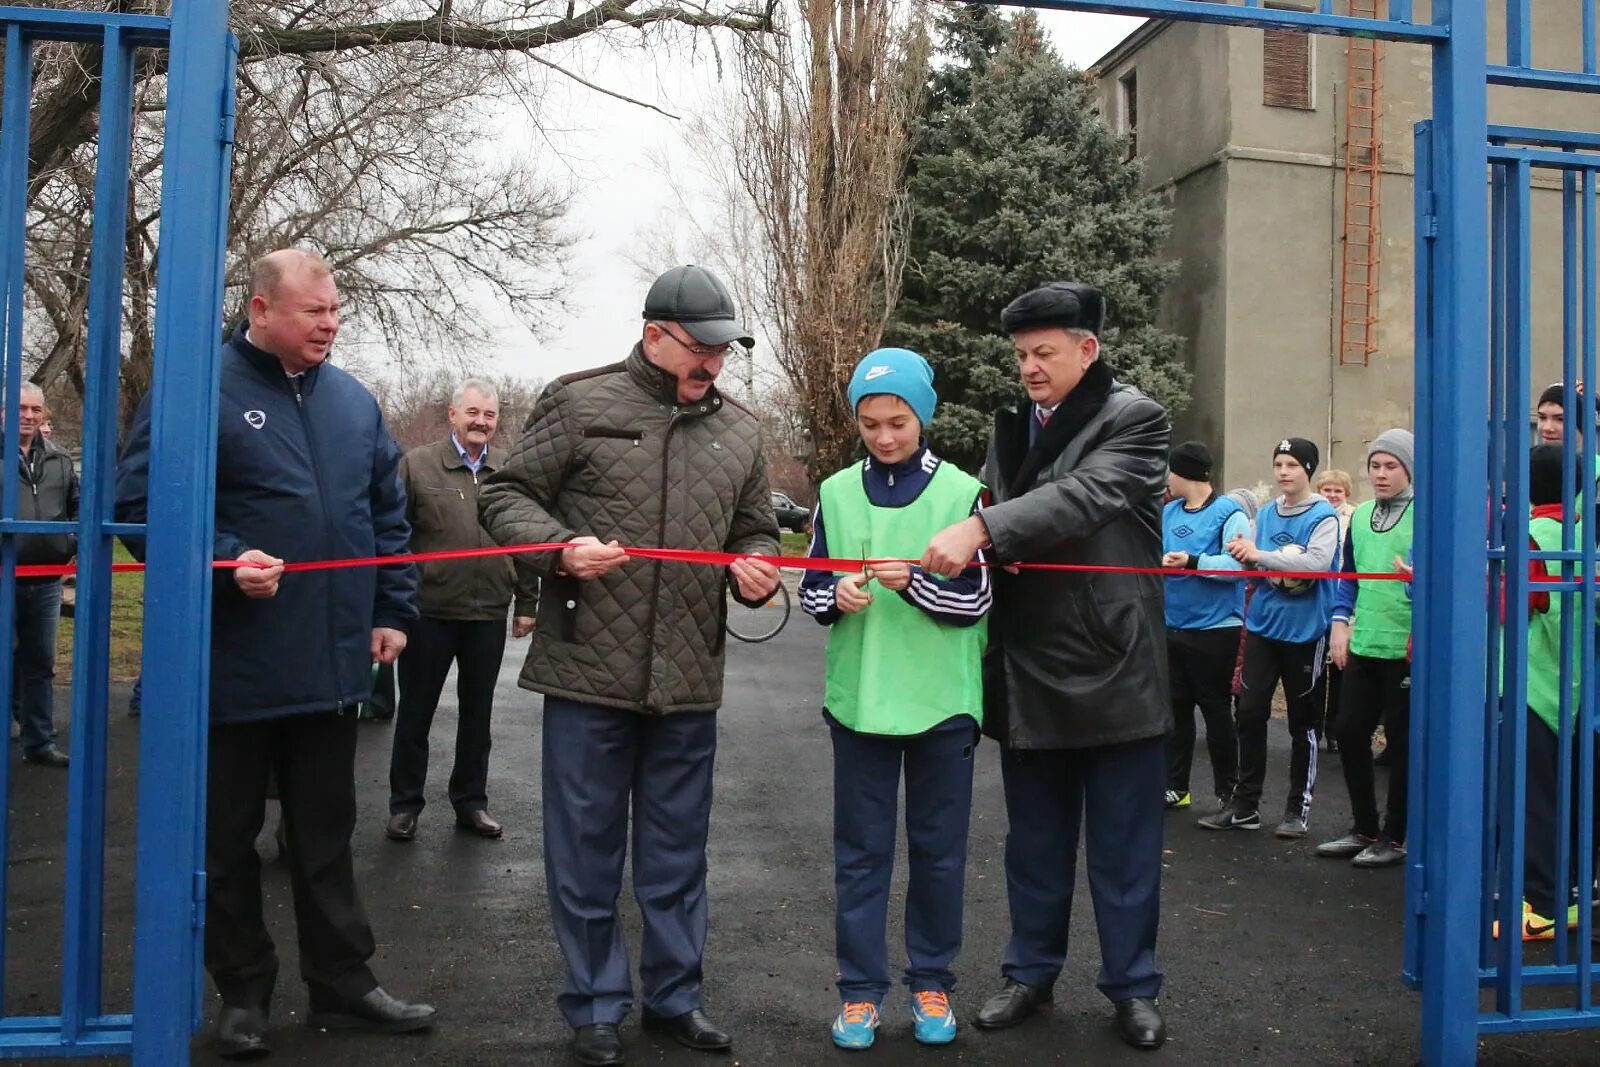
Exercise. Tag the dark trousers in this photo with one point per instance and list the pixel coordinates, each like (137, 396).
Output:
(1376, 690)
(313, 758)
(476, 648)
(1115, 792)
(595, 760)
(1539, 840)
(1200, 665)
(1300, 668)
(33, 659)
(866, 784)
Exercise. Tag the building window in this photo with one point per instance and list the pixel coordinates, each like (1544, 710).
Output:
(1286, 69)
(1128, 91)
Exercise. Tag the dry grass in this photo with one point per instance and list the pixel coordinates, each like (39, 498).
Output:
(127, 628)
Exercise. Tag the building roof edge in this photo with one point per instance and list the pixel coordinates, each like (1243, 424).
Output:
(1128, 45)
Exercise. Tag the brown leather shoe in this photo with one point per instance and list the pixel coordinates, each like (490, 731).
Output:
(480, 823)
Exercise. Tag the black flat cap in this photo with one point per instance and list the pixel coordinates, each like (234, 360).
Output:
(1066, 305)
(695, 299)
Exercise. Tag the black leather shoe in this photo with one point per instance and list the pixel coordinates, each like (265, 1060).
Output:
(242, 1034)
(1014, 1003)
(402, 827)
(598, 1045)
(1140, 1022)
(478, 822)
(377, 1011)
(693, 1029)
(47, 756)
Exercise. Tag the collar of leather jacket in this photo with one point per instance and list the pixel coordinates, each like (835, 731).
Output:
(1019, 463)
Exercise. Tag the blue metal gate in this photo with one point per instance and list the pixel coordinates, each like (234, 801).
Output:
(170, 865)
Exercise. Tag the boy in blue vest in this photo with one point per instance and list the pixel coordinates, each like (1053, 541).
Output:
(1286, 631)
(904, 687)
(1370, 639)
(1203, 620)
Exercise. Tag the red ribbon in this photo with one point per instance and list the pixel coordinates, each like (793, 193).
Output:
(719, 559)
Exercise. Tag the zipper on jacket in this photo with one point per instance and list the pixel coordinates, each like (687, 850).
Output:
(322, 501)
(661, 542)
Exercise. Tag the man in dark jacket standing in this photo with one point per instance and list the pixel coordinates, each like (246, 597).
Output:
(1075, 687)
(463, 619)
(644, 452)
(49, 493)
(305, 471)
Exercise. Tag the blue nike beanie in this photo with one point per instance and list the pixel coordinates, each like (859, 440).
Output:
(899, 372)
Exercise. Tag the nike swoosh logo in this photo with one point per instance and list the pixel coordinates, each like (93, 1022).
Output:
(877, 372)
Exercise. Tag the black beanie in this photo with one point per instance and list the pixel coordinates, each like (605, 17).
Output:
(1555, 393)
(1303, 451)
(1544, 475)
(1191, 460)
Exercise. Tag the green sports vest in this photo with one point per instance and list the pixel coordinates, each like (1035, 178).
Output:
(1383, 611)
(891, 668)
(1544, 636)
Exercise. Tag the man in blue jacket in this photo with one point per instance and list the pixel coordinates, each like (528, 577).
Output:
(306, 470)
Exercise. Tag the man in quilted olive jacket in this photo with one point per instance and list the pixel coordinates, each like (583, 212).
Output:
(628, 653)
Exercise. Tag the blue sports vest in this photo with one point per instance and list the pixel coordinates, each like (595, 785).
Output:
(1195, 603)
(1296, 618)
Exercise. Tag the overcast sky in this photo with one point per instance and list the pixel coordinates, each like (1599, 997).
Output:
(602, 147)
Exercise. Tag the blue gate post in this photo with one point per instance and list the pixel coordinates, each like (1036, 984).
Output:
(1451, 553)
(172, 761)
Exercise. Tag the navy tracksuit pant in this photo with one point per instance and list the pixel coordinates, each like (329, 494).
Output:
(1115, 792)
(597, 763)
(866, 785)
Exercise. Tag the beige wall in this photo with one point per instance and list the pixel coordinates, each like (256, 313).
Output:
(1257, 194)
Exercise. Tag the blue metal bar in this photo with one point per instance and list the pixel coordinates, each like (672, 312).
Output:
(67, 25)
(1451, 560)
(1512, 792)
(86, 812)
(1496, 552)
(1519, 34)
(1543, 157)
(1564, 710)
(51, 1024)
(1588, 36)
(1536, 1019)
(1538, 974)
(1417, 792)
(1535, 135)
(169, 913)
(1539, 78)
(1268, 18)
(1399, 10)
(1586, 696)
(14, 129)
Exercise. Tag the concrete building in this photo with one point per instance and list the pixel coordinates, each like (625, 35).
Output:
(1246, 133)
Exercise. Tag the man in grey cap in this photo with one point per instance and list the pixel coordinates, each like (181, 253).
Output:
(1075, 686)
(629, 654)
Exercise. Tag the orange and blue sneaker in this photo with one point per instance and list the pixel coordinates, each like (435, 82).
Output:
(1536, 927)
(857, 1025)
(935, 1022)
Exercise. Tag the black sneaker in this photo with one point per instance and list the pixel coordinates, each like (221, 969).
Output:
(1232, 817)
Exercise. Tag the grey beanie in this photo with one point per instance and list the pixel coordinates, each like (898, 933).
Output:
(1397, 443)
(1246, 500)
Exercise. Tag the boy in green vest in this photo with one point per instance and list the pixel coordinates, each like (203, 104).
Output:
(1368, 642)
(1542, 901)
(904, 687)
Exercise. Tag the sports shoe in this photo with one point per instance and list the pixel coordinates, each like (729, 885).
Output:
(1343, 848)
(1380, 854)
(935, 1022)
(1291, 828)
(1232, 817)
(1536, 927)
(1176, 799)
(857, 1025)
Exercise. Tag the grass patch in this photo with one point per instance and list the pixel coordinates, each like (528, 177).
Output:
(794, 544)
(127, 627)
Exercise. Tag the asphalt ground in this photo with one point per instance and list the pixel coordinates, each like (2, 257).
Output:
(1271, 954)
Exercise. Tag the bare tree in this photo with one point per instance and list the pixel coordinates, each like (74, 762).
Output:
(824, 135)
(366, 128)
